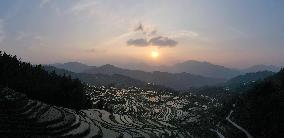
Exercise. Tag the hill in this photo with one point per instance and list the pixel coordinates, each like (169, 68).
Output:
(261, 109)
(205, 69)
(99, 79)
(38, 84)
(178, 81)
(201, 68)
(191, 66)
(243, 82)
(257, 68)
(72, 66)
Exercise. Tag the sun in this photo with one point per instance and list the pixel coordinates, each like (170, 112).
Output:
(154, 54)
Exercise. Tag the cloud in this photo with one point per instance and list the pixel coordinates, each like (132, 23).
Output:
(159, 41)
(153, 32)
(162, 41)
(140, 27)
(141, 42)
(31, 38)
(150, 38)
(146, 29)
(43, 3)
(96, 50)
(184, 33)
(84, 6)
(2, 33)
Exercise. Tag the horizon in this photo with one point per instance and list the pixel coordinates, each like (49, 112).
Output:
(234, 34)
(129, 65)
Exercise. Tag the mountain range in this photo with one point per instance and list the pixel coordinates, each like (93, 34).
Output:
(194, 67)
(178, 81)
(109, 74)
(99, 79)
(257, 68)
(205, 69)
(72, 66)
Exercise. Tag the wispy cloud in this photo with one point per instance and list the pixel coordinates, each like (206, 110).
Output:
(84, 6)
(183, 33)
(146, 29)
(77, 7)
(22, 35)
(96, 50)
(31, 38)
(43, 3)
(2, 33)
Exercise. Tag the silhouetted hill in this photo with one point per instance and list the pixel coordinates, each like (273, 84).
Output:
(38, 84)
(205, 69)
(72, 66)
(243, 82)
(99, 79)
(261, 109)
(257, 68)
(178, 81)
(192, 66)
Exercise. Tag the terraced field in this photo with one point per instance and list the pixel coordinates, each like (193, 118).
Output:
(22, 117)
(131, 112)
(170, 114)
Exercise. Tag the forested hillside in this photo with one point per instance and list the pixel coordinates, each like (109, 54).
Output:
(38, 84)
(261, 109)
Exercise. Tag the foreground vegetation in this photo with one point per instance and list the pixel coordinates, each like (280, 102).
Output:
(38, 84)
(261, 109)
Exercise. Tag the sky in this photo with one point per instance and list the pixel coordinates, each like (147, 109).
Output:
(233, 33)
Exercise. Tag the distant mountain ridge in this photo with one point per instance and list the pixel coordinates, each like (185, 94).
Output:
(180, 76)
(72, 66)
(99, 79)
(244, 82)
(257, 68)
(178, 81)
(205, 69)
(248, 77)
(194, 67)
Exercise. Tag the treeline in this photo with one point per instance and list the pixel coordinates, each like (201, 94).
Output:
(261, 109)
(38, 84)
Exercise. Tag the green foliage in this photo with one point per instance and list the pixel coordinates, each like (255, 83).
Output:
(38, 84)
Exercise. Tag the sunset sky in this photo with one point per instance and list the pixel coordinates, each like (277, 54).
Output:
(233, 33)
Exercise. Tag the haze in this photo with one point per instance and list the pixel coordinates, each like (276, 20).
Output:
(232, 33)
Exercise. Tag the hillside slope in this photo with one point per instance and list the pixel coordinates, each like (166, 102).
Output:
(261, 109)
(41, 85)
(72, 66)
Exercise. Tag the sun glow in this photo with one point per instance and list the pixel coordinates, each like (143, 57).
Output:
(154, 54)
